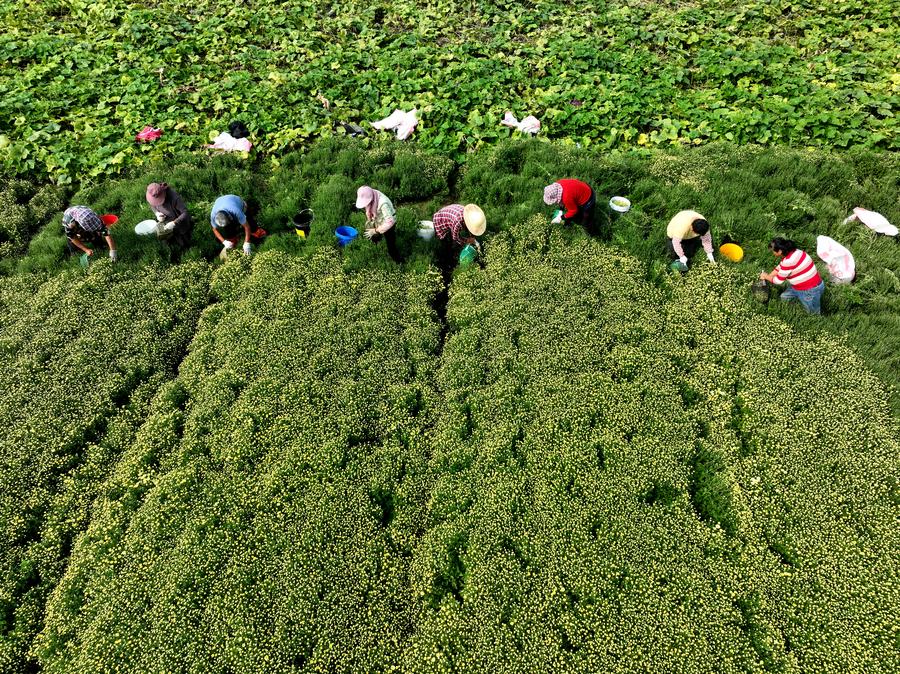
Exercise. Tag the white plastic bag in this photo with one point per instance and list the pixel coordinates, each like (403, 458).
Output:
(403, 122)
(840, 262)
(874, 221)
(530, 124)
(228, 143)
(426, 229)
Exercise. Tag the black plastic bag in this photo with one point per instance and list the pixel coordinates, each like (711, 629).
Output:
(238, 130)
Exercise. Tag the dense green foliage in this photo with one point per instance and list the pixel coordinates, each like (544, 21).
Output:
(583, 484)
(23, 209)
(83, 356)
(78, 78)
(265, 516)
(748, 193)
(612, 491)
(583, 462)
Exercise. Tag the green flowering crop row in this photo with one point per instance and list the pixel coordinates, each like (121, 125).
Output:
(627, 484)
(82, 356)
(23, 210)
(590, 473)
(594, 465)
(264, 518)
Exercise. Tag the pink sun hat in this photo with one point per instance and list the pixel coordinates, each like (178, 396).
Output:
(364, 196)
(156, 193)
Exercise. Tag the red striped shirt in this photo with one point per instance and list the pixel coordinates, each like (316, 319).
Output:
(799, 270)
(449, 220)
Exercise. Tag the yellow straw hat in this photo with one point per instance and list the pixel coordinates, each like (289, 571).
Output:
(473, 217)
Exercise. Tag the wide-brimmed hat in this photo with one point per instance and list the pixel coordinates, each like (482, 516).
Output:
(156, 193)
(364, 196)
(473, 217)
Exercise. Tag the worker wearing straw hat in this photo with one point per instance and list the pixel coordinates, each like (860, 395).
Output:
(83, 226)
(451, 223)
(169, 208)
(686, 231)
(380, 219)
(577, 199)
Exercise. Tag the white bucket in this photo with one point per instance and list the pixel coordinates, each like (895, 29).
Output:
(426, 230)
(620, 204)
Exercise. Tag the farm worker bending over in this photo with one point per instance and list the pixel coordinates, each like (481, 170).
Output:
(799, 270)
(82, 227)
(379, 219)
(577, 200)
(228, 215)
(686, 231)
(168, 206)
(449, 224)
(450, 221)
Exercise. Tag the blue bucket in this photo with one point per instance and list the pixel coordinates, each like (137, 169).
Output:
(345, 235)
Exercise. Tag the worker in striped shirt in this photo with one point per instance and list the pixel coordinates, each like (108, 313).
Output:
(799, 270)
(451, 224)
(84, 228)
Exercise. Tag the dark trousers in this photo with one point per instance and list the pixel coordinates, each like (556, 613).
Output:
(235, 234)
(447, 255)
(585, 216)
(390, 239)
(89, 240)
(179, 241)
(689, 246)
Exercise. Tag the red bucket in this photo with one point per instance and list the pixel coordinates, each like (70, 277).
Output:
(109, 220)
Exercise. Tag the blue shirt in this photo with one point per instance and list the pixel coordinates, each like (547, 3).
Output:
(230, 203)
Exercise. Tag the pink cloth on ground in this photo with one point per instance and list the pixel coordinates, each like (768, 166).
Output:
(147, 134)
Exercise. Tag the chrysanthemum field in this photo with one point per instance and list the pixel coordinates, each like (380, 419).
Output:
(565, 458)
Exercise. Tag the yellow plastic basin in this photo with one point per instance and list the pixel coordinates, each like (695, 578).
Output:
(732, 251)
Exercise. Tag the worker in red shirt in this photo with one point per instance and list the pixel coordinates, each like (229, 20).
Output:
(577, 201)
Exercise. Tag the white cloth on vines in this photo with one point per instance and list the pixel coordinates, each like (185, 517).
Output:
(403, 122)
(530, 124)
(839, 260)
(228, 143)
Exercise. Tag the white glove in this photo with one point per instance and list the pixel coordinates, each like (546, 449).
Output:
(683, 260)
(113, 255)
(160, 217)
(709, 256)
(169, 226)
(556, 220)
(227, 245)
(246, 247)
(369, 233)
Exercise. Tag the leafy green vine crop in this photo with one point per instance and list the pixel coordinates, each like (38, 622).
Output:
(78, 79)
